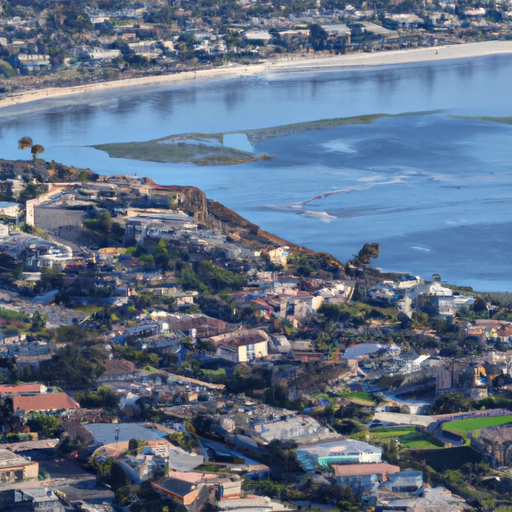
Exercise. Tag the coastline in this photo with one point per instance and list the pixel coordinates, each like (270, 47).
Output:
(288, 65)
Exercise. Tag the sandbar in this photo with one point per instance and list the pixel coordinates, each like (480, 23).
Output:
(290, 64)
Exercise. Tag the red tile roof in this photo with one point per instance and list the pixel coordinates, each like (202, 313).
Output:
(44, 402)
(20, 388)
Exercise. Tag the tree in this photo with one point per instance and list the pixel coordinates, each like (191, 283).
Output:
(36, 150)
(133, 446)
(83, 177)
(368, 252)
(25, 143)
(44, 425)
(317, 37)
(449, 403)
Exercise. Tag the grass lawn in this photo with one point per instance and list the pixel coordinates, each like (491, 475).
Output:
(408, 436)
(359, 396)
(462, 427)
(420, 445)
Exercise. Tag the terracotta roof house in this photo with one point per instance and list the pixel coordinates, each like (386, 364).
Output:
(29, 387)
(46, 402)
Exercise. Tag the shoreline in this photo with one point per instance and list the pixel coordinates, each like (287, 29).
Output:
(299, 64)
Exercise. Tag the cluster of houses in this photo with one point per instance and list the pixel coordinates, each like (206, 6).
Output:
(407, 292)
(348, 29)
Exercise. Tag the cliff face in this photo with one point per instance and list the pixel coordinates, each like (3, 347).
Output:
(189, 199)
(212, 213)
(247, 231)
(495, 442)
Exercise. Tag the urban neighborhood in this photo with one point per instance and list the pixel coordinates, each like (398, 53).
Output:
(158, 352)
(58, 45)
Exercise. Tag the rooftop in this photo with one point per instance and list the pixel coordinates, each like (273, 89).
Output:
(9, 459)
(43, 402)
(105, 433)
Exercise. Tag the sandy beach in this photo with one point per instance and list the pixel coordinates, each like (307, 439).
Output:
(308, 63)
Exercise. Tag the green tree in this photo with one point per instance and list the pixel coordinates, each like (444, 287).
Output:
(83, 177)
(368, 252)
(133, 446)
(317, 37)
(36, 150)
(45, 425)
(449, 403)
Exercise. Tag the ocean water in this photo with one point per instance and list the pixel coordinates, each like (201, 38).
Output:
(433, 190)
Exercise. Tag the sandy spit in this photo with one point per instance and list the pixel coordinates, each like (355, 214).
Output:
(286, 65)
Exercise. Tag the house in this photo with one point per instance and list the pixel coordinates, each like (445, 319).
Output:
(261, 35)
(410, 482)
(22, 388)
(265, 309)
(281, 344)
(280, 254)
(33, 62)
(243, 345)
(243, 350)
(363, 477)
(383, 293)
(14, 468)
(448, 306)
(46, 402)
(118, 370)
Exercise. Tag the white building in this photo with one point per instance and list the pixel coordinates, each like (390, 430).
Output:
(344, 451)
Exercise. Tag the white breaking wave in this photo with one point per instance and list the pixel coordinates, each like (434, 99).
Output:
(323, 216)
(339, 146)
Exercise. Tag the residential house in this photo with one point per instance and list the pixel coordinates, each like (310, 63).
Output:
(242, 346)
(118, 370)
(23, 388)
(362, 478)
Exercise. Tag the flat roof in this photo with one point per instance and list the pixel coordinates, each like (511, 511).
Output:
(339, 447)
(9, 459)
(105, 433)
(361, 350)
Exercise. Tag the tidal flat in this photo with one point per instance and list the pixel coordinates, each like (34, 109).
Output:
(209, 149)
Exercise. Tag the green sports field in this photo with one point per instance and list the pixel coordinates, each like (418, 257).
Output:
(474, 425)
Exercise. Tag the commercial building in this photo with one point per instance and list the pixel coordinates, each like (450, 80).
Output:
(344, 451)
(191, 487)
(296, 428)
(14, 468)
